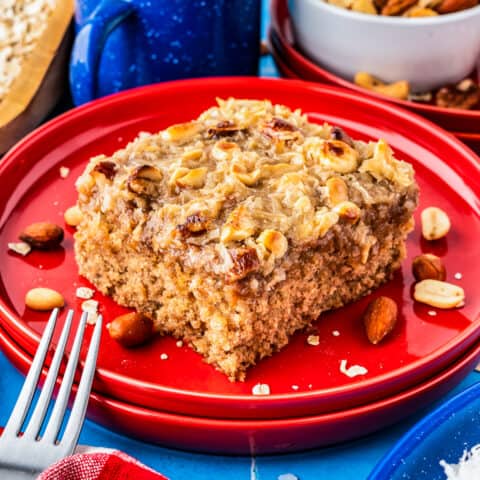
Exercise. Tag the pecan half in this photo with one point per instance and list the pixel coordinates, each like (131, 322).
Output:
(245, 260)
(225, 128)
(194, 225)
(145, 180)
(397, 7)
(108, 169)
(465, 95)
(280, 125)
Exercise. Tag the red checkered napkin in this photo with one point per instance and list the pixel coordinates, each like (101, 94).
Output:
(100, 464)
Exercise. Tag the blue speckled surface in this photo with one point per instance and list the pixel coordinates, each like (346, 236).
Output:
(122, 44)
(443, 435)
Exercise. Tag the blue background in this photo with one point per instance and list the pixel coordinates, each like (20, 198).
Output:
(352, 460)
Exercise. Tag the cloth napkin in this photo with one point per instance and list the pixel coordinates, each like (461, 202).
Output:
(99, 464)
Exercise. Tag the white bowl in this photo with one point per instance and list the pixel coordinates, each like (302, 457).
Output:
(429, 52)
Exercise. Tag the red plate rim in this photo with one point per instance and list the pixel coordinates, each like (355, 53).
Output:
(276, 427)
(279, 12)
(470, 163)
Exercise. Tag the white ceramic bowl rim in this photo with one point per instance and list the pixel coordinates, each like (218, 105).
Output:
(399, 21)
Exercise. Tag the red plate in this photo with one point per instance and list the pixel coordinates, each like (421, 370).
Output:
(260, 436)
(470, 139)
(281, 36)
(420, 346)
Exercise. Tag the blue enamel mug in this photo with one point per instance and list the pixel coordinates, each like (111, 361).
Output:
(122, 44)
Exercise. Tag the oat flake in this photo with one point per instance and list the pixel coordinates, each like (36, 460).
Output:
(313, 340)
(21, 248)
(85, 293)
(352, 371)
(64, 172)
(261, 389)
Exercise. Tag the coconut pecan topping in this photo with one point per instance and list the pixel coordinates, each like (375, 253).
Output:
(245, 260)
(106, 168)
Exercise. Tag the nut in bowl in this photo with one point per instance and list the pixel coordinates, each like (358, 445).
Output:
(429, 52)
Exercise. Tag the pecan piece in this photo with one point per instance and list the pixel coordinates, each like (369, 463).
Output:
(145, 180)
(280, 125)
(225, 128)
(245, 260)
(397, 7)
(108, 169)
(194, 225)
(465, 95)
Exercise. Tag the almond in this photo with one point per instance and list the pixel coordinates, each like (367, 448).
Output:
(380, 318)
(131, 329)
(439, 294)
(42, 235)
(450, 6)
(428, 266)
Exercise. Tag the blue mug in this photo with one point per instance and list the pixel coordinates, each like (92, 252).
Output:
(122, 44)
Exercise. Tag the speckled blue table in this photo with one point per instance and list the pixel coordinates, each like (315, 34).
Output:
(353, 460)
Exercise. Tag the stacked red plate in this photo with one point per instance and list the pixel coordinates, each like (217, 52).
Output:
(292, 63)
(184, 402)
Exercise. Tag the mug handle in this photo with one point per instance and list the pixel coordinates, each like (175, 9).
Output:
(88, 47)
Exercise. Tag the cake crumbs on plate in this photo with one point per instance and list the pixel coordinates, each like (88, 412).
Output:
(310, 386)
(85, 293)
(64, 172)
(313, 340)
(352, 371)
(336, 333)
(22, 248)
(179, 343)
(287, 476)
(295, 387)
(163, 356)
(458, 276)
(91, 307)
(432, 313)
(261, 389)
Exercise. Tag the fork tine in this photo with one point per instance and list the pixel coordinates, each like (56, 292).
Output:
(38, 415)
(17, 417)
(75, 422)
(58, 412)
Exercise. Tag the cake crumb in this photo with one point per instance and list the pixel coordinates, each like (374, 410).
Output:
(458, 276)
(295, 387)
(179, 343)
(287, 476)
(310, 386)
(22, 248)
(352, 371)
(91, 307)
(261, 389)
(163, 356)
(313, 340)
(336, 333)
(64, 172)
(85, 293)
(432, 313)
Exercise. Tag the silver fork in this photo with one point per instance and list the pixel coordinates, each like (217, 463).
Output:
(23, 456)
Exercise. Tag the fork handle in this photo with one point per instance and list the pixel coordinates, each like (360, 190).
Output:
(7, 474)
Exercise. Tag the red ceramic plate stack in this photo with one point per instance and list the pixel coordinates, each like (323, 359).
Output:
(292, 63)
(182, 401)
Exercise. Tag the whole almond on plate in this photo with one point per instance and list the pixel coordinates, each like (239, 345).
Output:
(380, 318)
(439, 294)
(131, 329)
(451, 6)
(435, 223)
(428, 266)
(42, 235)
